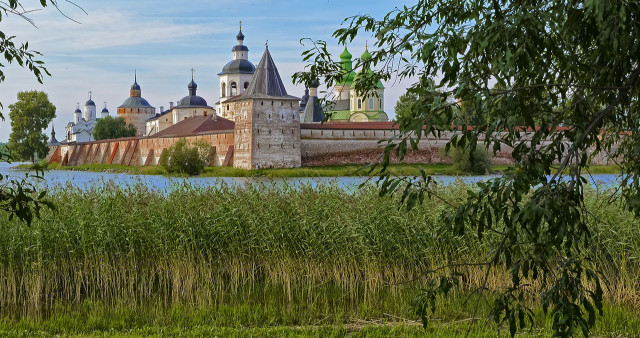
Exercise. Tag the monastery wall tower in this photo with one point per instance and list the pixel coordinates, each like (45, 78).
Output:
(267, 122)
(136, 110)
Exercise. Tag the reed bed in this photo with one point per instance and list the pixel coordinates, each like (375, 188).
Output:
(295, 246)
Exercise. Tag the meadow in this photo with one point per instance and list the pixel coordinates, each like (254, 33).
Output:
(264, 261)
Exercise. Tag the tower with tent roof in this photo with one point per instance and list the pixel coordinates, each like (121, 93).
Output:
(267, 121)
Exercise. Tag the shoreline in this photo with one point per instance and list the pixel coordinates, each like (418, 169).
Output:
(346, 170)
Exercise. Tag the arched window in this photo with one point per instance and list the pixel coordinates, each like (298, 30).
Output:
(234, 89)
(224, 89)
(359, 103)
(246, 85)
(370, 103)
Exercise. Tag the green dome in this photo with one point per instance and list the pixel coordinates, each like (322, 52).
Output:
(346, 68)
(369, 72)
(345, 56)
(347, 79)
(366, 56)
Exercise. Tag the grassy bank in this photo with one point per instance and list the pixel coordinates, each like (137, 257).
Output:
(260, 261)
(403, 169)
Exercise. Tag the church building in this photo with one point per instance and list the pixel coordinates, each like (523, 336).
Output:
(81, 129)
(351, 106)
(189, 106)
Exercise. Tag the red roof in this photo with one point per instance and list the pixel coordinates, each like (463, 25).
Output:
(197, 125)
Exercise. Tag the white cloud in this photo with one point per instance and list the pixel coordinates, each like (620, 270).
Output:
(104, 29)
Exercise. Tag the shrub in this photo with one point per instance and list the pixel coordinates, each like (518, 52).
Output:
(183, 158)
(206, 152)
(164, 158)
(479, 163)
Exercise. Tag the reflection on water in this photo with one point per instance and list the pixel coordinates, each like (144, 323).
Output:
(86, 179)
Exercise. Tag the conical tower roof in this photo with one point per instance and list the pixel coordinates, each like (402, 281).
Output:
(266, 81)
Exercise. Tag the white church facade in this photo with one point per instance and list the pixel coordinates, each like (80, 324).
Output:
(81, 129)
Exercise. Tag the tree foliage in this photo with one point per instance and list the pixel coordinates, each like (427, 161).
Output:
(19, 197)
(570, 71)
(113, 127)
(185, 158)
(30, 115)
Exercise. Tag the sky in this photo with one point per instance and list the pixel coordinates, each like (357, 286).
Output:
(163, 41)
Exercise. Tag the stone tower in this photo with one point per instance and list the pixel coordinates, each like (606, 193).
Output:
(267, 122)
(136, 110)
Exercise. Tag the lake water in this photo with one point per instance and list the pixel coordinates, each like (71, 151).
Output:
(85, 179)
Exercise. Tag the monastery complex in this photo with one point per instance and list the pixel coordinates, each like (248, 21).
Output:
(256, 124)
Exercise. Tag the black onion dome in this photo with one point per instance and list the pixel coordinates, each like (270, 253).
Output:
(77, 110)
(105, 110)
(305, 98)
(240, 36)
(192, 101)
(315, 83)
(90, 103)
(239, 66)
(135, 86)
(240, 48)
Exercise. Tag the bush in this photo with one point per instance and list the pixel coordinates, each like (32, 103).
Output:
(479, 163)
(164, 158)
(206, 152)
(183, 158)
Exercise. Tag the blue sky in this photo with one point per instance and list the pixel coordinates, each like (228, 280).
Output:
(163, 40)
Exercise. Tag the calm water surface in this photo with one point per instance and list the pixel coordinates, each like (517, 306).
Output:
(85, 179)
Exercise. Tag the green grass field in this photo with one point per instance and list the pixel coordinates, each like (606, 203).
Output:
(324, 171)
(264, 262)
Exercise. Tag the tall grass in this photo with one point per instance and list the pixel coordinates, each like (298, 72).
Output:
(320, 248)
